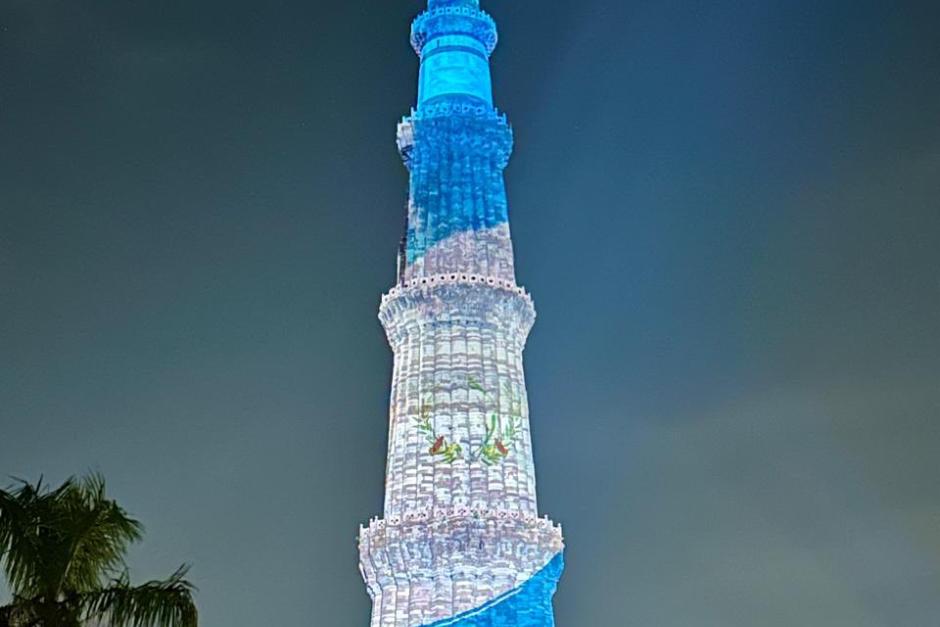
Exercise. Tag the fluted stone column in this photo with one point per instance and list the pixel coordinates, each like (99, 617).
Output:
(460, 541)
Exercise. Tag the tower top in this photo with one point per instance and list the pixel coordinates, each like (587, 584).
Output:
(454, 40)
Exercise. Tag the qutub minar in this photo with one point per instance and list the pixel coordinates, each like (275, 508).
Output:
(461, 542)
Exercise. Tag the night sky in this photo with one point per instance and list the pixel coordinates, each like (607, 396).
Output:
(728, 214)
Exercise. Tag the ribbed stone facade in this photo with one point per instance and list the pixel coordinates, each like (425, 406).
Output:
(424, 568)
(460, 541)
(445, 333)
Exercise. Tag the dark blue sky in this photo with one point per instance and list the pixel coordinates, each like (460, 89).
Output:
(727, 213)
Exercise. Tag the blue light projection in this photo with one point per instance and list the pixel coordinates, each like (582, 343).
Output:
(529, 605)
(455, 144)
(455, 65)
(459, 150)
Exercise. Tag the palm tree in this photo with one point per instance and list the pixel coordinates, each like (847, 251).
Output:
(62, 552)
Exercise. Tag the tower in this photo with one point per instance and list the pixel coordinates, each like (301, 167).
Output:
(461, 542)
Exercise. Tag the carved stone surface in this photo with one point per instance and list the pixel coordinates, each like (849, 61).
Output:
(425, 568)
(485, 253)
(460, 542)
(445, 17)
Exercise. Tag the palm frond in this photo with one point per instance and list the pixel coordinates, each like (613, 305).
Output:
(96, 533)
(19, 614)
(28, 521)
(167, 603)
(67, 540)
(62, 552)
(6, 616)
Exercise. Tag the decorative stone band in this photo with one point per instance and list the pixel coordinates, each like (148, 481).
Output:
(450, 20)
(455, 278)
(457, 106)
(420, 569)
(463, 120)
(447, 298)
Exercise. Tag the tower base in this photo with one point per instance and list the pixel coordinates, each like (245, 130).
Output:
(529, 605)
(471, 568)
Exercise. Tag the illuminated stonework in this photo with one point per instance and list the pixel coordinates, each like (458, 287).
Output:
(461, 542)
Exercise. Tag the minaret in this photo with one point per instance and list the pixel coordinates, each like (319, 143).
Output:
(461, 542)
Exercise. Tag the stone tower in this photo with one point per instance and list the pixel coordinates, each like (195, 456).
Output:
(461, 542)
